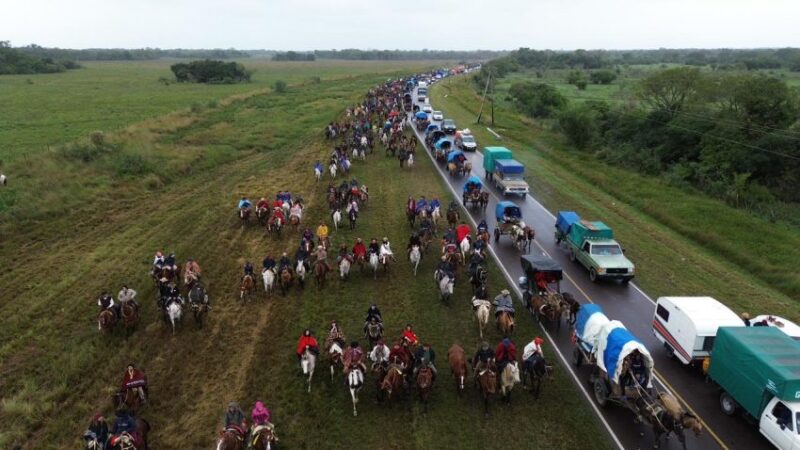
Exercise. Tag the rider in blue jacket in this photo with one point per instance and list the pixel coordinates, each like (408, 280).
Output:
(245, 203)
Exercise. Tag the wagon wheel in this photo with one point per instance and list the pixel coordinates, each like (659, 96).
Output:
(496, 235)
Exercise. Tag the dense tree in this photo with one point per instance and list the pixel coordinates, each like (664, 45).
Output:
(602, 76)
(209, 71)
(293, 56)
(13, 61)
(579, 125)
(537, 99)
(672, 89)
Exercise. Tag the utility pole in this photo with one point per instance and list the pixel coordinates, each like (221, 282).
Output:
(483, 100)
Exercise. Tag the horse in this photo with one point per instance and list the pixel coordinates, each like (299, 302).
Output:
(508, 378)
(446, 285)
(127, 442)
(294, 221)
(487, 382)
(484, 200)
(572, 307)
(275, 225)
(546, 310)
(263, 437)
(128, 399)
(355, 381)
(424, 385)
(300, 273)
(410, 160)
(535, 370)
(230, 440)
(392, 384)
(455, 259)
(332, 170)
(269, 281)
(335, 354)
(411, 215)
(336, 217)
(285, 280)
(308, 362)
(374, 332)
(458, 366)
(478, 278)
(246, 287)
(262, 214)
(130, 316)
(482, 308)
(415, 256)
(452, 218)
(320, 273)
(106, 320)
(3, 180)
(244, 215)
(344, 268)
(317, 173)
(436, 216)
(174, 312)
(485, 237)
(374, 263)
(667, 416)
(505, 323)
(465, 246)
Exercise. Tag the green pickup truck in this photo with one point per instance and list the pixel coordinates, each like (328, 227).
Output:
(593, 245)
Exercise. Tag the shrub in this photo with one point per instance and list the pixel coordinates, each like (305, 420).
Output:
(579, 125)
(602, 76)
(210, 71)
(98, 138)
(581, 85)
(537, 99)
(279, 86)
(127, 164)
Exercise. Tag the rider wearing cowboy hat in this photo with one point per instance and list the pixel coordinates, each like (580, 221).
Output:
(504, 302)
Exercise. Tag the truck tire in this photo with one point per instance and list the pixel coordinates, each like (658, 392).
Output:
(670, 351)
(600, 392)
(572, 255)
(593, 275)
(496, 235)
(625, 281)
(727, 404)
(577, 357)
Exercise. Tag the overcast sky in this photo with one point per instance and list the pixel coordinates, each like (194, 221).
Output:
(403, 24)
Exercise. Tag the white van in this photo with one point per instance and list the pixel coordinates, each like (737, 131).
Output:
(687, 326)
(422, 84)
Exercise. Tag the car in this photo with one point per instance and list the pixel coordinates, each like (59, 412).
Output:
(789, 328)
(467, 143)
(449, 126)
(427, 108)
(437, 115)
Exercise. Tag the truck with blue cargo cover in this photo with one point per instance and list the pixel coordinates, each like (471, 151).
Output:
(508, 177)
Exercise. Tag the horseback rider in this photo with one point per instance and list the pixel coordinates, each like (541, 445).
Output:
(444, 268)
(318, 165)
(353, 357)
(411, 204)
(284, 263)
(248, 270)
(421, 204)
(297, 209)
(158, 261)
(307, 236)
(135, 379)
(106, 302)
(425, 356)
(412, 241)
(435, 203)
(533, 348)
(374, 247)
(244, 206)
(483, 227)
(307, 340)
(503, 302)
(171, 262)
(359, 249)
(123, 423)
(453, 206)
(322, 257)
(262, 205)
(126, 295)
(98, 430)
(425, 225)
(173, 295)
(484, 359)
(475, 260)
(192, 271)
(450, 238)
(373, 313)
(463, 231)
(234, 420)
(277, 214)
(638, 371)
(335, 334)
(343, 254)
(261, 419)
(277, 203)
(505, 353)
(400, 355)
(409, 337)
(380, 352)
(268, 263)
(386, 250)
(322, 233)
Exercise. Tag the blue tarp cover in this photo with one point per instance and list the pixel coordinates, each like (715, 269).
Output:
(565, 220)
(510, 166)
(473, 181)
(612, 356)
(421, 115)
(441, 143)
(507, 209)
(455, 154)
(584, 313)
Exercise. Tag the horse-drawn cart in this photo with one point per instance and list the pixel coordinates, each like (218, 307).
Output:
(441, 149)
(473, 193)
(542, 289)
(457, 164)
(422, 121)
(509, 222)
(433, 137)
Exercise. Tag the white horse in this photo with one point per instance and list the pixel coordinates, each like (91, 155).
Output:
(300, 273)
(317, 173)
(374, 263)
(465, 245)
(332, 169)
(344, 268)
(269, 281)
(308, 362)
(384, 139)
(174, 312)
(508, 379)
(355, 381)
(415, 257)
(446, 285)
(436, 215)
(337, 218)
(410, 160)
(3, 180)
(335, 348)
(482, 308)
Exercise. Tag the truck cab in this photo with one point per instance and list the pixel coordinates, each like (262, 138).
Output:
(780, 424)
(604, 258)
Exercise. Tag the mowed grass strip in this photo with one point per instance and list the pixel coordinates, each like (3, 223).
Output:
(56, 370)
(682, 242)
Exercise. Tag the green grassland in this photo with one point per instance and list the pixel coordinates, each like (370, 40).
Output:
(683, 243)
(172, 183)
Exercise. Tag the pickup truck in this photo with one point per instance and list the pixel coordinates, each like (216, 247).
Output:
(508, 177)
(756, 369)
(422, 94)
(592, 244)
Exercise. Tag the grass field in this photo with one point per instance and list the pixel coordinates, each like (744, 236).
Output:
(56, 370)
(682, 242)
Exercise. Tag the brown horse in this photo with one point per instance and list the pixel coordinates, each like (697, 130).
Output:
(262, 214)
(244, 216)
(458, 366)
(129, 398)
(570, 304)
(264, 437)
(230, 440)
(126, 441)
(424, 385)
(452, 218)
(285, 280)
(294, 221)
(547, 309)
(130, 316)
(392, 384)
(668, 416)
(246, 287)
(411, 215)
(487, 382)
(106, 321)
(505, 323)
(320, 273)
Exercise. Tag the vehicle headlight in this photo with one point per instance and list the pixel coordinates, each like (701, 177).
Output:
(601, 270)
(631, 270)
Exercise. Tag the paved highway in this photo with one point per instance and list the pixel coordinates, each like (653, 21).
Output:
(628, 304)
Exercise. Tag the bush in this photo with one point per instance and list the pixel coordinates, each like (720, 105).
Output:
(537, 99)
(279, 86)
(98, 138)
(581, 85)
(210, 71)
(127, 164)
(579, 125)
(602, 76)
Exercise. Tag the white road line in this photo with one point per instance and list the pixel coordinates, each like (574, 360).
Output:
(513, 284)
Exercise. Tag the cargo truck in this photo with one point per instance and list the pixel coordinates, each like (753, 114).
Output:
(758, 372)
(592, 244)
(492, 154)
(508, 177)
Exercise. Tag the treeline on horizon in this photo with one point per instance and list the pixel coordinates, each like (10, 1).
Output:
(136, 54)
(732, 134)
(15, 62)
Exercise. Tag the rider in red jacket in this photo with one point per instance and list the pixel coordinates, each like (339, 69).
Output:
(505, 353)
(359, 249)
(307, 340)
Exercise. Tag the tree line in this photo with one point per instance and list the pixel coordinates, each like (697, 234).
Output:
(734, 136)
(293, 56)
(401, 55)
(13, 61)
(121, 54)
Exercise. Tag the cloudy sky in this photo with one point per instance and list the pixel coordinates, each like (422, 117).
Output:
(403, 24)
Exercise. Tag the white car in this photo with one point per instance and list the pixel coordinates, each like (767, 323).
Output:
(438, 115)
(428, 109)
(789, 328)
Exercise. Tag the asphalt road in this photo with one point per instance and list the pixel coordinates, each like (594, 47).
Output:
(628, 304)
